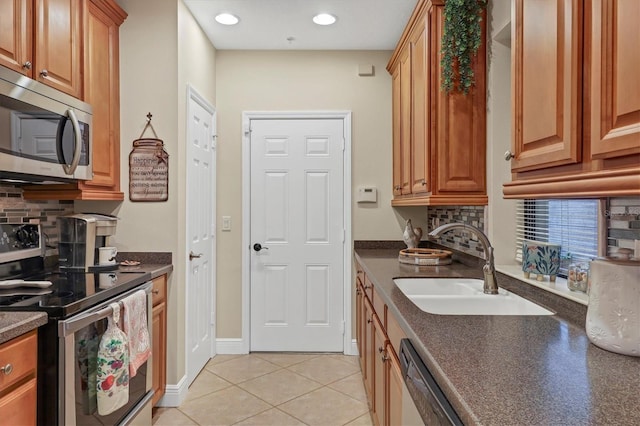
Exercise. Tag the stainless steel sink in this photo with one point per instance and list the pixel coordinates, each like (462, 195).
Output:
(464, 296)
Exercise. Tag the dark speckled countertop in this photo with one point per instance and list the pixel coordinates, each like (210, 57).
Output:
(14, 324)
(512, 370)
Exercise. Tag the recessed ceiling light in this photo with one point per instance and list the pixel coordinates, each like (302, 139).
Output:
(324, 19)
(226, 19)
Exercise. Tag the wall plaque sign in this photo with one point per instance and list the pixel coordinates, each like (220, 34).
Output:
(148, 171)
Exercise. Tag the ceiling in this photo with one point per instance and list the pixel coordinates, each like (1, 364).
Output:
(287, 25)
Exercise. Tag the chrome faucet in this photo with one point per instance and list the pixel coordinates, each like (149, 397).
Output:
(489, 269)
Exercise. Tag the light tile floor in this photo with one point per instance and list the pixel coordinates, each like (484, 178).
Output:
(274, 389)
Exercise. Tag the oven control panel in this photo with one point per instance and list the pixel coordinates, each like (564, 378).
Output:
(18, 237)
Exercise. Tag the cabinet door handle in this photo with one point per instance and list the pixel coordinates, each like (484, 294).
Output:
(7, 369)
(423, 182)
(369, 321)
(44, 73)
(508, 155)
(384, 357)
(155, 291)
(380, 349)
(397, 187)
(26, 65)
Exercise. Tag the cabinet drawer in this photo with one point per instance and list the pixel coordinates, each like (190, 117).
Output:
(394, 332)
(159, 290)
(19, 407)
(359, 273)
(22, 354)
(380, 308)
(368, 288)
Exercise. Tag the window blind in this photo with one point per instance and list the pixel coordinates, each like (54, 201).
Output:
(571, 223)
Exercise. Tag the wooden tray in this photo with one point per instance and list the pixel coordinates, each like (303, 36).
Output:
(425, 257)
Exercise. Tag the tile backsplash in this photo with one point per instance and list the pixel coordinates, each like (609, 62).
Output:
(622, 215)
(623, 224)
(15, 209)
(459, 240)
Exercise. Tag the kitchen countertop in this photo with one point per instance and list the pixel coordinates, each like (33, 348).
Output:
(14, 324)
(511, 370)
(153, 269)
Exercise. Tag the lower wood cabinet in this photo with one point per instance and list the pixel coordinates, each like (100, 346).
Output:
(18, 383)
(159, 332)
(395, 382)
(379, 371)
(378, 336)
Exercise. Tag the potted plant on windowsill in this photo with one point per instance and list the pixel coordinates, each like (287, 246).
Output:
(461, 38)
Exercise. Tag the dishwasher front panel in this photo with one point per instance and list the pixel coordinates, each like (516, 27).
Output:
(431, 403)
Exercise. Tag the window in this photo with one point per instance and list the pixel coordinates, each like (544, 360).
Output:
(571, 223)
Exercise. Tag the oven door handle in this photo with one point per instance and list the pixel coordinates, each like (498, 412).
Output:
(78, 322)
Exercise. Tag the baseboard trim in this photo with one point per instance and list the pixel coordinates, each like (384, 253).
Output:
(174, 394)
(231, 347)
(237, 347)
(354, 347)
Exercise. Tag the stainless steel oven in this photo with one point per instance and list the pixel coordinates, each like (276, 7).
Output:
(76, 377)
(45, 135)
(77, 306)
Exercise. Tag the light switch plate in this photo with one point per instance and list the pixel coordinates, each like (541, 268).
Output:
(226, 223)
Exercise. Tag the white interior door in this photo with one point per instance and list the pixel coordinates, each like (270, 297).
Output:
(297, 217)
(201, 234)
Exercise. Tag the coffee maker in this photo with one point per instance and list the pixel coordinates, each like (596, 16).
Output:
(80, 236)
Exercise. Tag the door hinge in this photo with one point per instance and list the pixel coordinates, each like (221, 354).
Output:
(247, 131)
(342, 328)
(213, 318)
(343, 144)
(344, 235)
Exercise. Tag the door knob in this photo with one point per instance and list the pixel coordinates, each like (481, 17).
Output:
(258, 247)
(508, 155)
(192, 255)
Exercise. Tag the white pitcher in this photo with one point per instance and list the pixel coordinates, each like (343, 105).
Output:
(613, 315)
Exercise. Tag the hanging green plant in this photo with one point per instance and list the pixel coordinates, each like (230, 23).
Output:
(461, 39)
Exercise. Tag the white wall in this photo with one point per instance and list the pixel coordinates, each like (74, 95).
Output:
(300, 80)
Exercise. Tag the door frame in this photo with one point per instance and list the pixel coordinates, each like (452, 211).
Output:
(193, 94)
(247, 116)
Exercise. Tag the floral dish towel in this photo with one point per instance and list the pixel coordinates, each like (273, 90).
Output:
(113, 366)
(134, 325)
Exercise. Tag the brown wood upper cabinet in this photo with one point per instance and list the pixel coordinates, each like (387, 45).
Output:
(576, 99)
(438, 138)
(102, 19)
(42, 40)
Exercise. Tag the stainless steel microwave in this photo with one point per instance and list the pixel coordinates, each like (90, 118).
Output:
(45, 135)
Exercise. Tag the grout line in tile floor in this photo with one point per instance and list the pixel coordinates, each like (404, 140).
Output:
(274, 388)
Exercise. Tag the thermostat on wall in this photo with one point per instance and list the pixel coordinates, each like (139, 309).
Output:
(367, 194)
